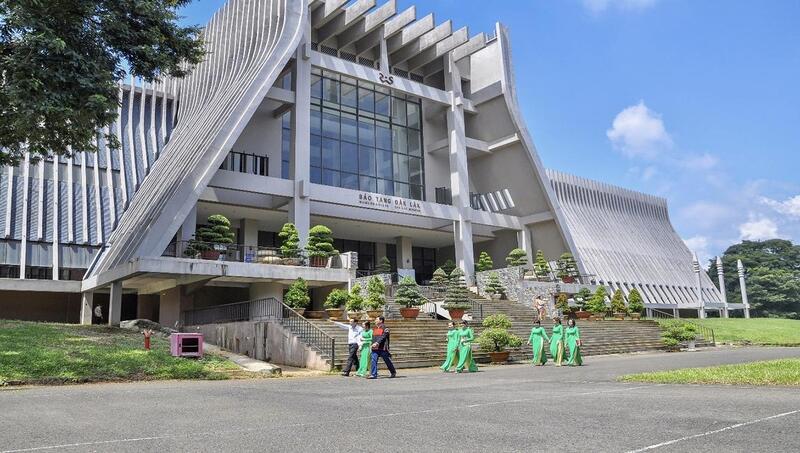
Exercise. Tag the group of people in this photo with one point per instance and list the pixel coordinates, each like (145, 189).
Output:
(459, 348)
(562, 341)
(365, 344)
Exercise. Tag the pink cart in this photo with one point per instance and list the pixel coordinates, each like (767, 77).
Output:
(186, 345)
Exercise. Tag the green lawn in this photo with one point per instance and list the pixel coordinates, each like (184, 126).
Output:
(40, 353)
(757, 331)
(772, 372)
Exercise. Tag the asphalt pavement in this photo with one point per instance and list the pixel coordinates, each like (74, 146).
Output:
(499, 409)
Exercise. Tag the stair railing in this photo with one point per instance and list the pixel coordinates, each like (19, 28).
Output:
(706, 332)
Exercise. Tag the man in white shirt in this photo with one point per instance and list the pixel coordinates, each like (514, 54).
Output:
(353, 342)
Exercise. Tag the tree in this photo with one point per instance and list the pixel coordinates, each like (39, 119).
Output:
(440, 278)
(567, 267)
(484, 262)
(597, 303)
(376, 293)
(517, 257)
(408, 293)
(493, 285)
(635, 304)
(355, 301)
(562, 303)
(540, 266)
(457, 295)
(336, 299)
(297, 295)
(618, 302)
(61, 61)
(773, 276)
(495, 336)
(448, 266)
(384, 266)
(582, 297)
(320, 242)
(218, 232)
(290, 245)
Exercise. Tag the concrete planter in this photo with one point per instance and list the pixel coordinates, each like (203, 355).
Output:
(373, 314)
(568, 279)
(334, 313)
(499, 357)
(456, 313)
(300, 311)
(355, 315)
(636, 316)
(619, 316)
(580, 314)
(409, 312)
(315, 314)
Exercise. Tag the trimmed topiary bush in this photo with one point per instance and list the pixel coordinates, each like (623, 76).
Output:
(214, 236)
(540, 266)
(457, 295)
(517, 257)
(618, 302)
(562, 303)
(495, 336)
(440, 278)
(384, 266)
(337, 299)
(597, 303)
(297, 295)
(376, 294)
(320, 242)
(355, 301)
(448, 266)
(290, 241)
(635, 303)
(567, 268)
(484, 262)
(408, 293)
(494, 286)
(582, 298)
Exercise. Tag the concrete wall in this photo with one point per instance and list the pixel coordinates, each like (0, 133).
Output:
(147, 308)
(262, 136)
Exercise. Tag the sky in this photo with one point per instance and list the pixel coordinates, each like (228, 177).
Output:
(694, 101)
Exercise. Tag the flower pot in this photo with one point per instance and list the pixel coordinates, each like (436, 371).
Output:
(354, 315)
(373, 314)
(318, 261)
(456, 313)
(210, 255)
(315, 314)
(334, 313)
(619, 316)
(499, 357)
(291, 261)
(636, 316)
(568, 279)
(580, 314)
(409, 312)
(496, 297)
(596, 317)
(300, 311)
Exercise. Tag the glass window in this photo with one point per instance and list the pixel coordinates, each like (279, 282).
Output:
(366, 160)
(316, 121)
(366, 132)
(284, 169)
(349, 157)
(415, 170)
(413, 115)
(383, 135)
(349, 128)
(385, 164)
(385, 186)
(350, 181)
(330, 153)
(401, 190)
(400, 168)
(330, 91)
(330, 178)
(316, 175)
(399, 111)
(399, 143)
(316, 86)
(369, 185)
(286, 120)
(415, 192)
(414, 146)
(366, 99)
(382, 104)
(330, 123)
(316, 151)
(349, 96)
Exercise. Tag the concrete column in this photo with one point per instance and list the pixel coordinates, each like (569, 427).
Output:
(383, 57)
(248, 232)
(745, 302)
(524, 242)
(701, 309)
(87, 306)
(146, 307)
(380, 252)
(405, 258)
(300, 163)
(676, 313)
(721, 277)
(169, 307)
(115, 304)
(459, 173)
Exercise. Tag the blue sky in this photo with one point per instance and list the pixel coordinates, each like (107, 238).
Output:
(695, 101)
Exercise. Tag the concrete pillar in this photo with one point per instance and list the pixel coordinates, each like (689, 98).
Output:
(248, 232)
(721, 277)
(676, 313)
(701, 309)
(115, 304)
(745, 302)
(524, 242)
(405, 258)
(300, 163)
(380, 252)
(147, 307)
(87, 306)
(169, 307)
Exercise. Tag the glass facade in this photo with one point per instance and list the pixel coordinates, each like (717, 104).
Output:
(365, 137)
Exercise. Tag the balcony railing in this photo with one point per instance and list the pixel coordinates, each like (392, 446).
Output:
(246, 163)
(247, 254)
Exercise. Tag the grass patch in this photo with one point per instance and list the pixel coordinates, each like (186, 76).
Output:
(42, 353)
(785, 372)
(758, 331)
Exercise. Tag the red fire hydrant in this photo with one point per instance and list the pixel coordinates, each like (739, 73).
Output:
(147, 333)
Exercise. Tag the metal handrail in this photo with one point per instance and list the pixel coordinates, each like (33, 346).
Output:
(705, 332)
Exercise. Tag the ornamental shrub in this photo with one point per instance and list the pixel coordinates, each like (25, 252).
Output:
(618, 302)
(448, 266)
(297, 295)
(676, 331)
(217, 232)
(376, 293)
(290, 241)
(495, 336)
(540, 266)
(408, 293)
(517, 257)
(582, 297)
(440, 278)
(635, 303)
(597, 303)
(355, 301)
(567, 267)
(336, 299)
(457, 295)
(320, 242)
(562, 303)
(484, 262)
(384, 266)
(494, 286)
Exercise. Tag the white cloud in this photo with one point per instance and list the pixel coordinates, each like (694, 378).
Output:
(706, 215)
(639, 132)
(700, 162)
(758, 230)
(699, 245)
(790, 206)
(599, 6)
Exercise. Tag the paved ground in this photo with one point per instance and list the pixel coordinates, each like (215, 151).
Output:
(511, 408)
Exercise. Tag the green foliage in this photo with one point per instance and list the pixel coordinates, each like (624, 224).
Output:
(290, 241)
(61, 61)
(618, 302)
(758, 331)
(440, 278)
(517, 257)
(635, 303)
(355, 300)
(562, 303)
(566, 266)
(784, 372)
(540, 266)
(495, 336)
(408, 293)
(376, 294)
(217, 232)
(320, 242)
(457, 295)
(337, 299)
(384, 266)
(582, 297)
(676, 332)
(597, 303)
(297, 295)
(773, 277)
(448, 266)
(493, 285)
(484, 262)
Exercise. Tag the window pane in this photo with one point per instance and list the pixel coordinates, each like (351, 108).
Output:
(349, 157)
(398, 111)
(349, 128)
(330, 178)
(316, 175)
(400, 168)
(316, 121)
(369, 185)
(285, 170)
(330, 123)
(349, 95)
(385, 187)
(316, 86)
(385, 164)
(366, 160)
(366, 100)
(382, 104)
(286, 144)
(350, 181)
(414, 147)
(401, 190)
(383, 135)
(330, 153)
(415, 192)
(415, 170)
(413, 115)
(286, 120)
(399, 144)
(330, 90)
(366, 132)
(316, 151)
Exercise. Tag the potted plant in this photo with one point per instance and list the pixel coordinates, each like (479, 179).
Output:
(541, 268)
(384, 266)
(290, 245)
(677, 332)
(495, 338)
(618, 307)
(517, 257)
(484, 262)
(376, 297)
(562, 304)
(209, 241)
(335, 302)
(494, 288)
(581, 299)
(567, 268)
(297, 297)
(456, 298)
(635, 304)
(320, 246)
(408, 297)
(449, 266)
(355, 302)
(597, 304)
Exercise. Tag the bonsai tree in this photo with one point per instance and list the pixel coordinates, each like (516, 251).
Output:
(218, 232)
(408, 293)
(597, 303)
(493, 285)
(457, 295)
(582, 297)
(495, 336)
(439, 279)
(567, 268)
(540, 266)
(290, 241)
(297, 295)
(562, 303)
(484, 262)
(635, 304)
(320, 242)
(448, 266)
(384, 266)
(376, 294)
(676, 332)
(355, 301)
(517, 257)
(618, 302)
(337, 299)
